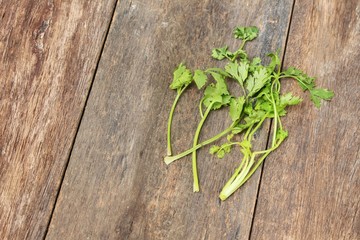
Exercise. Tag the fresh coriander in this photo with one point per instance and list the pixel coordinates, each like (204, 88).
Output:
(261, 99)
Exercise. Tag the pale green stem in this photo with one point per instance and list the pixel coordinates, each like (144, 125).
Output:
(200, 108)
(240, 48)
(275, 116)
(248, 131)
(257, 127)
(258, 163)
(296, 78)
(236, 183)
(169, 150)
(243, 163)
(170, 159)
(196, 138)
(242, 45)
(229, 144)
(280, 124)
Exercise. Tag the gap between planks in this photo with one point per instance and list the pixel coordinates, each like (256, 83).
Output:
(271, 123)
(81, 117)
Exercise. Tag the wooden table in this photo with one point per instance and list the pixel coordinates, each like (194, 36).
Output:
(84, 101)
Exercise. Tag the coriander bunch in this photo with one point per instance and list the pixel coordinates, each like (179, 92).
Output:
(261, 99)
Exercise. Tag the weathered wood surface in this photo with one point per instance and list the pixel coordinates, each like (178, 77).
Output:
(117, 185)
(48, 52)
(310, 186)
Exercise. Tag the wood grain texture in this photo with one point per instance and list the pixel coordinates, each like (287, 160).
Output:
(117, 185)
(310, 186)
(48, 52)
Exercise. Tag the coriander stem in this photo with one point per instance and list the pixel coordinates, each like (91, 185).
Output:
(237, 180)
(229, 58)
(243, 89)
(275, 116)
(229, 144)
(243, 165)
(170, 159)
(251, 172)
(274, 134)
(196, 138)
(257, 126)
(200, 108)
(248, 131)
(267, 150)
(280, 124)
(169, 151)
(297, 79)
(242, 45)
(240, 48)
(258, 163)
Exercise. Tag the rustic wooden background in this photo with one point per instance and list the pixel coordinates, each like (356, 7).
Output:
(84, 101)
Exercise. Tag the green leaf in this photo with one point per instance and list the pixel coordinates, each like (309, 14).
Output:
(225, 100)
(320, 93)
(211, 95)
(245, 147)
(265, 106)
(257, 81)
(220, 154)
(221, 53)
(238, 71)
(256, 61)
(305, 82)
(281, 134)
(182, 77)
(292, 71)
(288, 100)
(229, 137)
(217, 70)
(200, 78)
(254, 117)
(246, 33)
(227, 148)
(216, 94)
(240, 54)
(308, 83)
(220, 83)
(245, 144)
(323, 93)
(220, 151)
(254, 64)
(249, 84)
(232, 69)
(214, 149)
(275, 62)
(243, 70)
(248, 108)
(236, 107)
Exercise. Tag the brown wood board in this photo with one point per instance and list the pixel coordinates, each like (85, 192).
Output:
(117, 185)
(310, 186)
(48, 52)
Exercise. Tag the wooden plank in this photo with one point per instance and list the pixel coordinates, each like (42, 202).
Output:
(48, 52)
(310, 186)
(117, 185)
